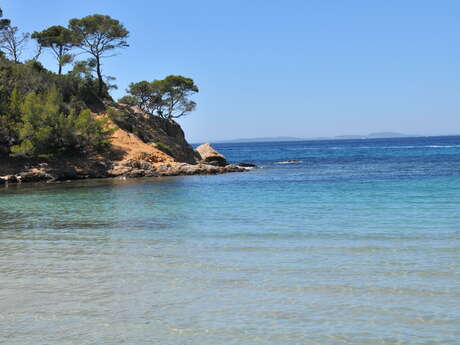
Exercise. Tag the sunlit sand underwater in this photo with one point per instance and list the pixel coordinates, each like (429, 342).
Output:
(356, 242)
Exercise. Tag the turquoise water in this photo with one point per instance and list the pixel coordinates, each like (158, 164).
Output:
(358, 243)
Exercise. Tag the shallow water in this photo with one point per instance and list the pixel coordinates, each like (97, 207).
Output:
(357, 244)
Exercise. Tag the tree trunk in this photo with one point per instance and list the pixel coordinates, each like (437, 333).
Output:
(60, 60)
(15, 55)
(99, 75)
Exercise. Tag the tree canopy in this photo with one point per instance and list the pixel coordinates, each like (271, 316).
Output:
(59, 40)
(3, 22)
(99, 35)
(167, 98)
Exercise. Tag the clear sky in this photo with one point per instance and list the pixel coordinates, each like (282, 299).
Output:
(286, 68)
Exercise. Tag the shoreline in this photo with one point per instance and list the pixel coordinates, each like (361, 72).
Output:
(46, 172)
(141, 146)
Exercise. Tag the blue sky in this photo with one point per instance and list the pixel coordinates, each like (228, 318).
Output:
(286, 68)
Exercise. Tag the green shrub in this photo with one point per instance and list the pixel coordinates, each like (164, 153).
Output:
(116, 115)
(46, 131)
(164, 148)
(128, 100)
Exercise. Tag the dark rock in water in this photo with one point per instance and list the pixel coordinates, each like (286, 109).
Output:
(136, 173)
(138, 164)
(290, 161)
(246, 165)
(133, 169)
(34, 175)
(66, 173)
(195, 169)
(210, 156)
(9, 179)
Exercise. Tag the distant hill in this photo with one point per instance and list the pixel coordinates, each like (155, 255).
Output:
(350, 136)
(376, 135)
(388, 135)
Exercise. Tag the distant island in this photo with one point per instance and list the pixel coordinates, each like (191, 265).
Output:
(377, 135)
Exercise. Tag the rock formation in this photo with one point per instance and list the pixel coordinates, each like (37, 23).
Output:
(207, 155)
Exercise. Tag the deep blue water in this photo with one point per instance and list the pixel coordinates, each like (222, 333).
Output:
(357, 243)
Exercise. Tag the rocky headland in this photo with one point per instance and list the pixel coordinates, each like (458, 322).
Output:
(141, 145)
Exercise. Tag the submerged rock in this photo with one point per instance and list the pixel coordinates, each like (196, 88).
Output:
(290, 161)
(35, 175)
(208, 155)
(246, 165)
(66, 173)
(170, 169)
(8, 179)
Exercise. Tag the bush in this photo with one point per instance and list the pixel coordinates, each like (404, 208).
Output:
(164, 148)
(77, 87)
(128, 100)
(46, 131)
(116, 115)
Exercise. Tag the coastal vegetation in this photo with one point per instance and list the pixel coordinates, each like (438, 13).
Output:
(167, 98)
(57, 114)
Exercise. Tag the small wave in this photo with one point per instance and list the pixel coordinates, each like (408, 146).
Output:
(290, 161)
(301, 148)
(370, 147)
(418, 147)
(442, 146)
(395, 147)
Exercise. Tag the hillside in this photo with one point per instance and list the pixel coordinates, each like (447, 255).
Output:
(141, 145)
(65, 125)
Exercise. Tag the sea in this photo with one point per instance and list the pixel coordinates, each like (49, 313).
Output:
(325, 243)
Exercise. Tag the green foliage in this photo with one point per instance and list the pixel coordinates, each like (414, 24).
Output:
(115, 115)
(3, 22)
(167, 98)
(15, 106)
(46, 114)
(143, 95)
(75, 88)
(46, 131)
(83, 69)
(98, 35)
(60, 41)
(9, 121)
(164, 148)
(110, 31)
(128, 100)
(90, 134)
